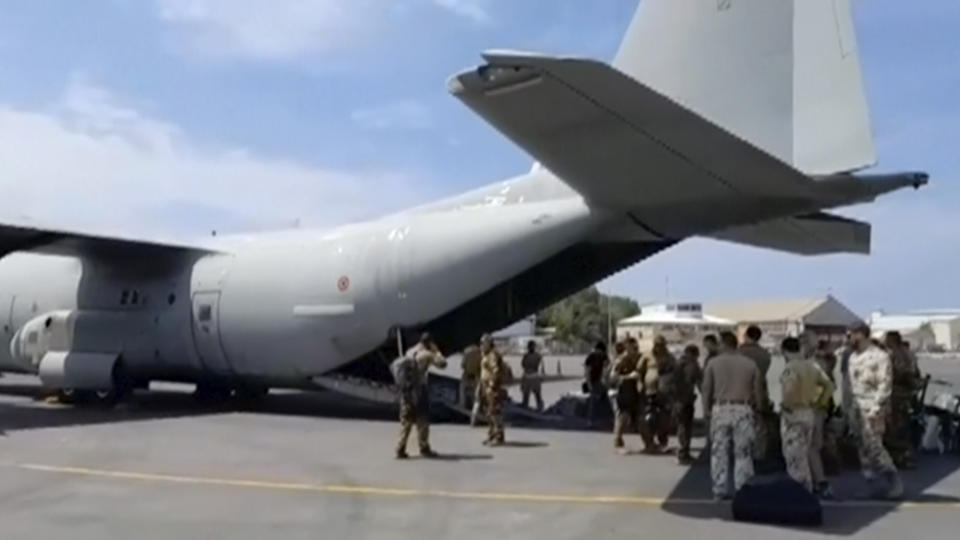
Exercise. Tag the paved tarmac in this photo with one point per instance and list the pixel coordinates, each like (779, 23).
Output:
(316, 466)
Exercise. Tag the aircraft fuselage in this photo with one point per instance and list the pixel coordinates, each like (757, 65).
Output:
(285, 305)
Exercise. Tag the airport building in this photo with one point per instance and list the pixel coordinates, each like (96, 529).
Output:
(928, 330)
(825, 317)
(680, 323)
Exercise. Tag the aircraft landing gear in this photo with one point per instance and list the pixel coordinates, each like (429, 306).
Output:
(212, 392)
(250, 392)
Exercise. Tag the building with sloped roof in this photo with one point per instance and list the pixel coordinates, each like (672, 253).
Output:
(825, 317)
(679, 323)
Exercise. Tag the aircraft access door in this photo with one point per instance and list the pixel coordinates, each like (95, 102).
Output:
(206, 332)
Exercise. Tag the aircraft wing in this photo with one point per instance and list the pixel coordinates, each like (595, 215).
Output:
(47, 240)
(617, 142)
(813, 234)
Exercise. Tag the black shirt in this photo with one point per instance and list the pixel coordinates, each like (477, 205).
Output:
(594, 364)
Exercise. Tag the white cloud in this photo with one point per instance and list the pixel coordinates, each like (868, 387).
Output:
(403, 114)
(276, 30)
(91, 161)
(288, 29)
(471, 9)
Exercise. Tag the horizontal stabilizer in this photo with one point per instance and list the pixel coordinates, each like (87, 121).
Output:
(58, 242)
(617, 142)
(814, 234)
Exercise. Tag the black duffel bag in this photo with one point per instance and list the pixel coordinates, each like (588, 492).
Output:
(778, 501)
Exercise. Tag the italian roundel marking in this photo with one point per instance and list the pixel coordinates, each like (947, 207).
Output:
(343, 283)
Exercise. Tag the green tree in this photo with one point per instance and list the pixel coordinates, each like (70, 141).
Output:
(582, 318)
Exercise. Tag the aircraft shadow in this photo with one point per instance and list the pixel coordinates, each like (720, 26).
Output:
(20, 408)
(839, 519)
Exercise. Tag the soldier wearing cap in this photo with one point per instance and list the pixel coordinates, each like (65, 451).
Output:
(410, 372)
(870, 384)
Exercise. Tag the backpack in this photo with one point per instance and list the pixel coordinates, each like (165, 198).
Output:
(407, 377)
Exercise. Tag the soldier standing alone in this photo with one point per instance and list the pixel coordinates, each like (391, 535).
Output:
(906, 382)
(731, 388)
(533, 370)
(410, 373)
(494, 376)
(871, 384)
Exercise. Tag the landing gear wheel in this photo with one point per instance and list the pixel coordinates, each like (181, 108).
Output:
(208, 392)
(250, 392)
(68, 396)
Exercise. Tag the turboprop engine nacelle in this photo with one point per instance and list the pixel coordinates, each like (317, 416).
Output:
(80, 349)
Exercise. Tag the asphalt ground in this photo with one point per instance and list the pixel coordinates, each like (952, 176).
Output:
(320, 466)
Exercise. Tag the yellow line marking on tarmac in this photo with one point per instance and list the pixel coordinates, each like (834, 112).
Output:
(429, 493)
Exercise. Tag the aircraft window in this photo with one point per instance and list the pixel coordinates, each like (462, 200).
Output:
(205, 313)
(124, 296)
(135, 297)
(171, 299)
(32, 338)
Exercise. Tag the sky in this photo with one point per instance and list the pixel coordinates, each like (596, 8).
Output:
(171, 118)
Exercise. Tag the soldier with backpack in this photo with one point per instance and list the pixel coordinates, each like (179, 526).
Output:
(410, 373)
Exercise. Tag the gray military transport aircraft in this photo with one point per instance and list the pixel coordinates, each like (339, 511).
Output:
(741, 120)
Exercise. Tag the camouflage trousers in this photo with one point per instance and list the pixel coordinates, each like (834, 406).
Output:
(896, 439)
(731, 426)
(796, 431)
(493, 405)
(868, 430)
(410, 415)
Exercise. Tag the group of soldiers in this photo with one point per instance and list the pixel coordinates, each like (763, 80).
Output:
(486, 376)
(654, 392)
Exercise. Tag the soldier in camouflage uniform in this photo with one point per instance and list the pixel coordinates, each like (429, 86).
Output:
(871, 384)
(410, 372)
(731, 390)
(626, 375)
(803, 383)
(906, 382)
(494, 376)
(686, 382)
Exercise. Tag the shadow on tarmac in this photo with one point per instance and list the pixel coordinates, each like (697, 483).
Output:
(21, 407)
(838, 519)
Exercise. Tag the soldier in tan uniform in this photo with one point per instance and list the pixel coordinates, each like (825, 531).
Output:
(411, 373)
(494, 376)
(752, 349)
(870, 384)
(802, 382)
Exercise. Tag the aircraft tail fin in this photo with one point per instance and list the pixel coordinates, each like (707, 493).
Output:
(784, 75)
